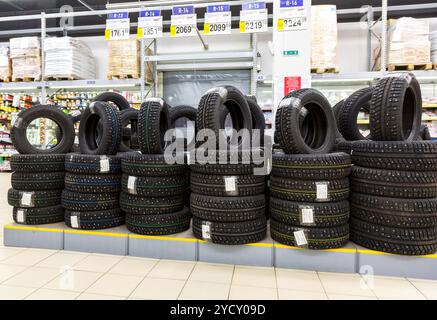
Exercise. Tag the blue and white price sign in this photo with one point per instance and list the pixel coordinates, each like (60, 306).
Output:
(150, 24)
(117, 26)
(253, 17)
(292, 15)
(183, 21)
(218, 19)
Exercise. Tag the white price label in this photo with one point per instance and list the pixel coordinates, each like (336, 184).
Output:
(206, 231)
(322, 191)
(150, 24)
(131, 181)
(20, 216)
(307, 215)
(297, 23)
(74, 222)
(117, 26)
(26, 199)
(230, 184)
(293, 16)
(183, 25)
(217, 23)
(301, 239)
(252, 21)
(104, 166)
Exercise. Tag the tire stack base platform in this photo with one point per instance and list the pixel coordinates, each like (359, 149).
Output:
(119, 241)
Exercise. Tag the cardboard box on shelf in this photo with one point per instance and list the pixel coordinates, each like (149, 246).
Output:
(26, 68)
(24, 47)
(5, 64)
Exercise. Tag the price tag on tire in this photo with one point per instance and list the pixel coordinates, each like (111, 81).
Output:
(150, 24)
(254, 17)
(117, 26)
(218, 19)
(292, 16)
(183, 22)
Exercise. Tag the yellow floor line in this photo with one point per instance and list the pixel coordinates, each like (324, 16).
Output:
(23, 228)
(136, 236)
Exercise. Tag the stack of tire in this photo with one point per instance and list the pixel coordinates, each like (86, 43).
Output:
(227, 199)
(37, 184)
(309, 185)
(394, 180)
(154, 191)
(92, 191)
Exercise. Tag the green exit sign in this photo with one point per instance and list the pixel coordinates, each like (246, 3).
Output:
(291, 53)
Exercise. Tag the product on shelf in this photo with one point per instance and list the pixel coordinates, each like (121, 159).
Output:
(37, 183)
(26, 58)
(5, 64)
(68, 58)
(124, 60)
(324, 37)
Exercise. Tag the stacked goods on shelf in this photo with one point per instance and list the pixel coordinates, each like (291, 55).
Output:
(309, 186)
(227, 200)
(324, 38)
(124, 60)
(25, 54)
(68, 58)
(433, 39)
(5, 64)
(37, 184)
(92, 191)
(154, 193)
(154, 190)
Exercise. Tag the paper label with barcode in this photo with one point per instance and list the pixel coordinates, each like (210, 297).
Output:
(322, 191)
(188, 158)
(26, 199)
(75, 222)
(131, 184)
(76, 140)
(301, 239)
(20, 216)
(104, 165)
(307, 216)
(230, 184)
(206, 231)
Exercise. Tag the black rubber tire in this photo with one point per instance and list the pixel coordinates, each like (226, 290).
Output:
(39, 216)
(325, 214)
(179, 112)
(321, 128)
(234, 233)
(227, 209)
(156, 186)
(47, 198)
(318, 238)
(76, 116)
(136, 164)
(74, 201)
(25, 117)
(337, 109)
(96, 220)
(106, 115)
(129, 139)
(394, 212)
(425, 134)
(26, 181)
(402, 241)
(151, 205)
(396, 109)
(90, 164)
(244, 165)
(159, 225)
(117, 99)
(348, 116)
(394, 183)
(215, 185)
(99, 183)
(306, 190)
(216, 105)
(33, 163)
(258, 119)
(153, 123)
(312, 166)
(412, 156)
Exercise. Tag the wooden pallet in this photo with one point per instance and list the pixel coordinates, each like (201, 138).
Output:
(409, 67)
(123, 76)
(435, 66)
(325, 70)
(24, 79)
(5, 79)
(59, 78)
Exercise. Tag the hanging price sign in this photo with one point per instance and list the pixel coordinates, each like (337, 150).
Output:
(117, 26)
(292, 16)
(254, 17)
(149, 24)
(218, 19)
(183, 22)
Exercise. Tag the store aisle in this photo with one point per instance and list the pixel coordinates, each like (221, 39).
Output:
(73, 275)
